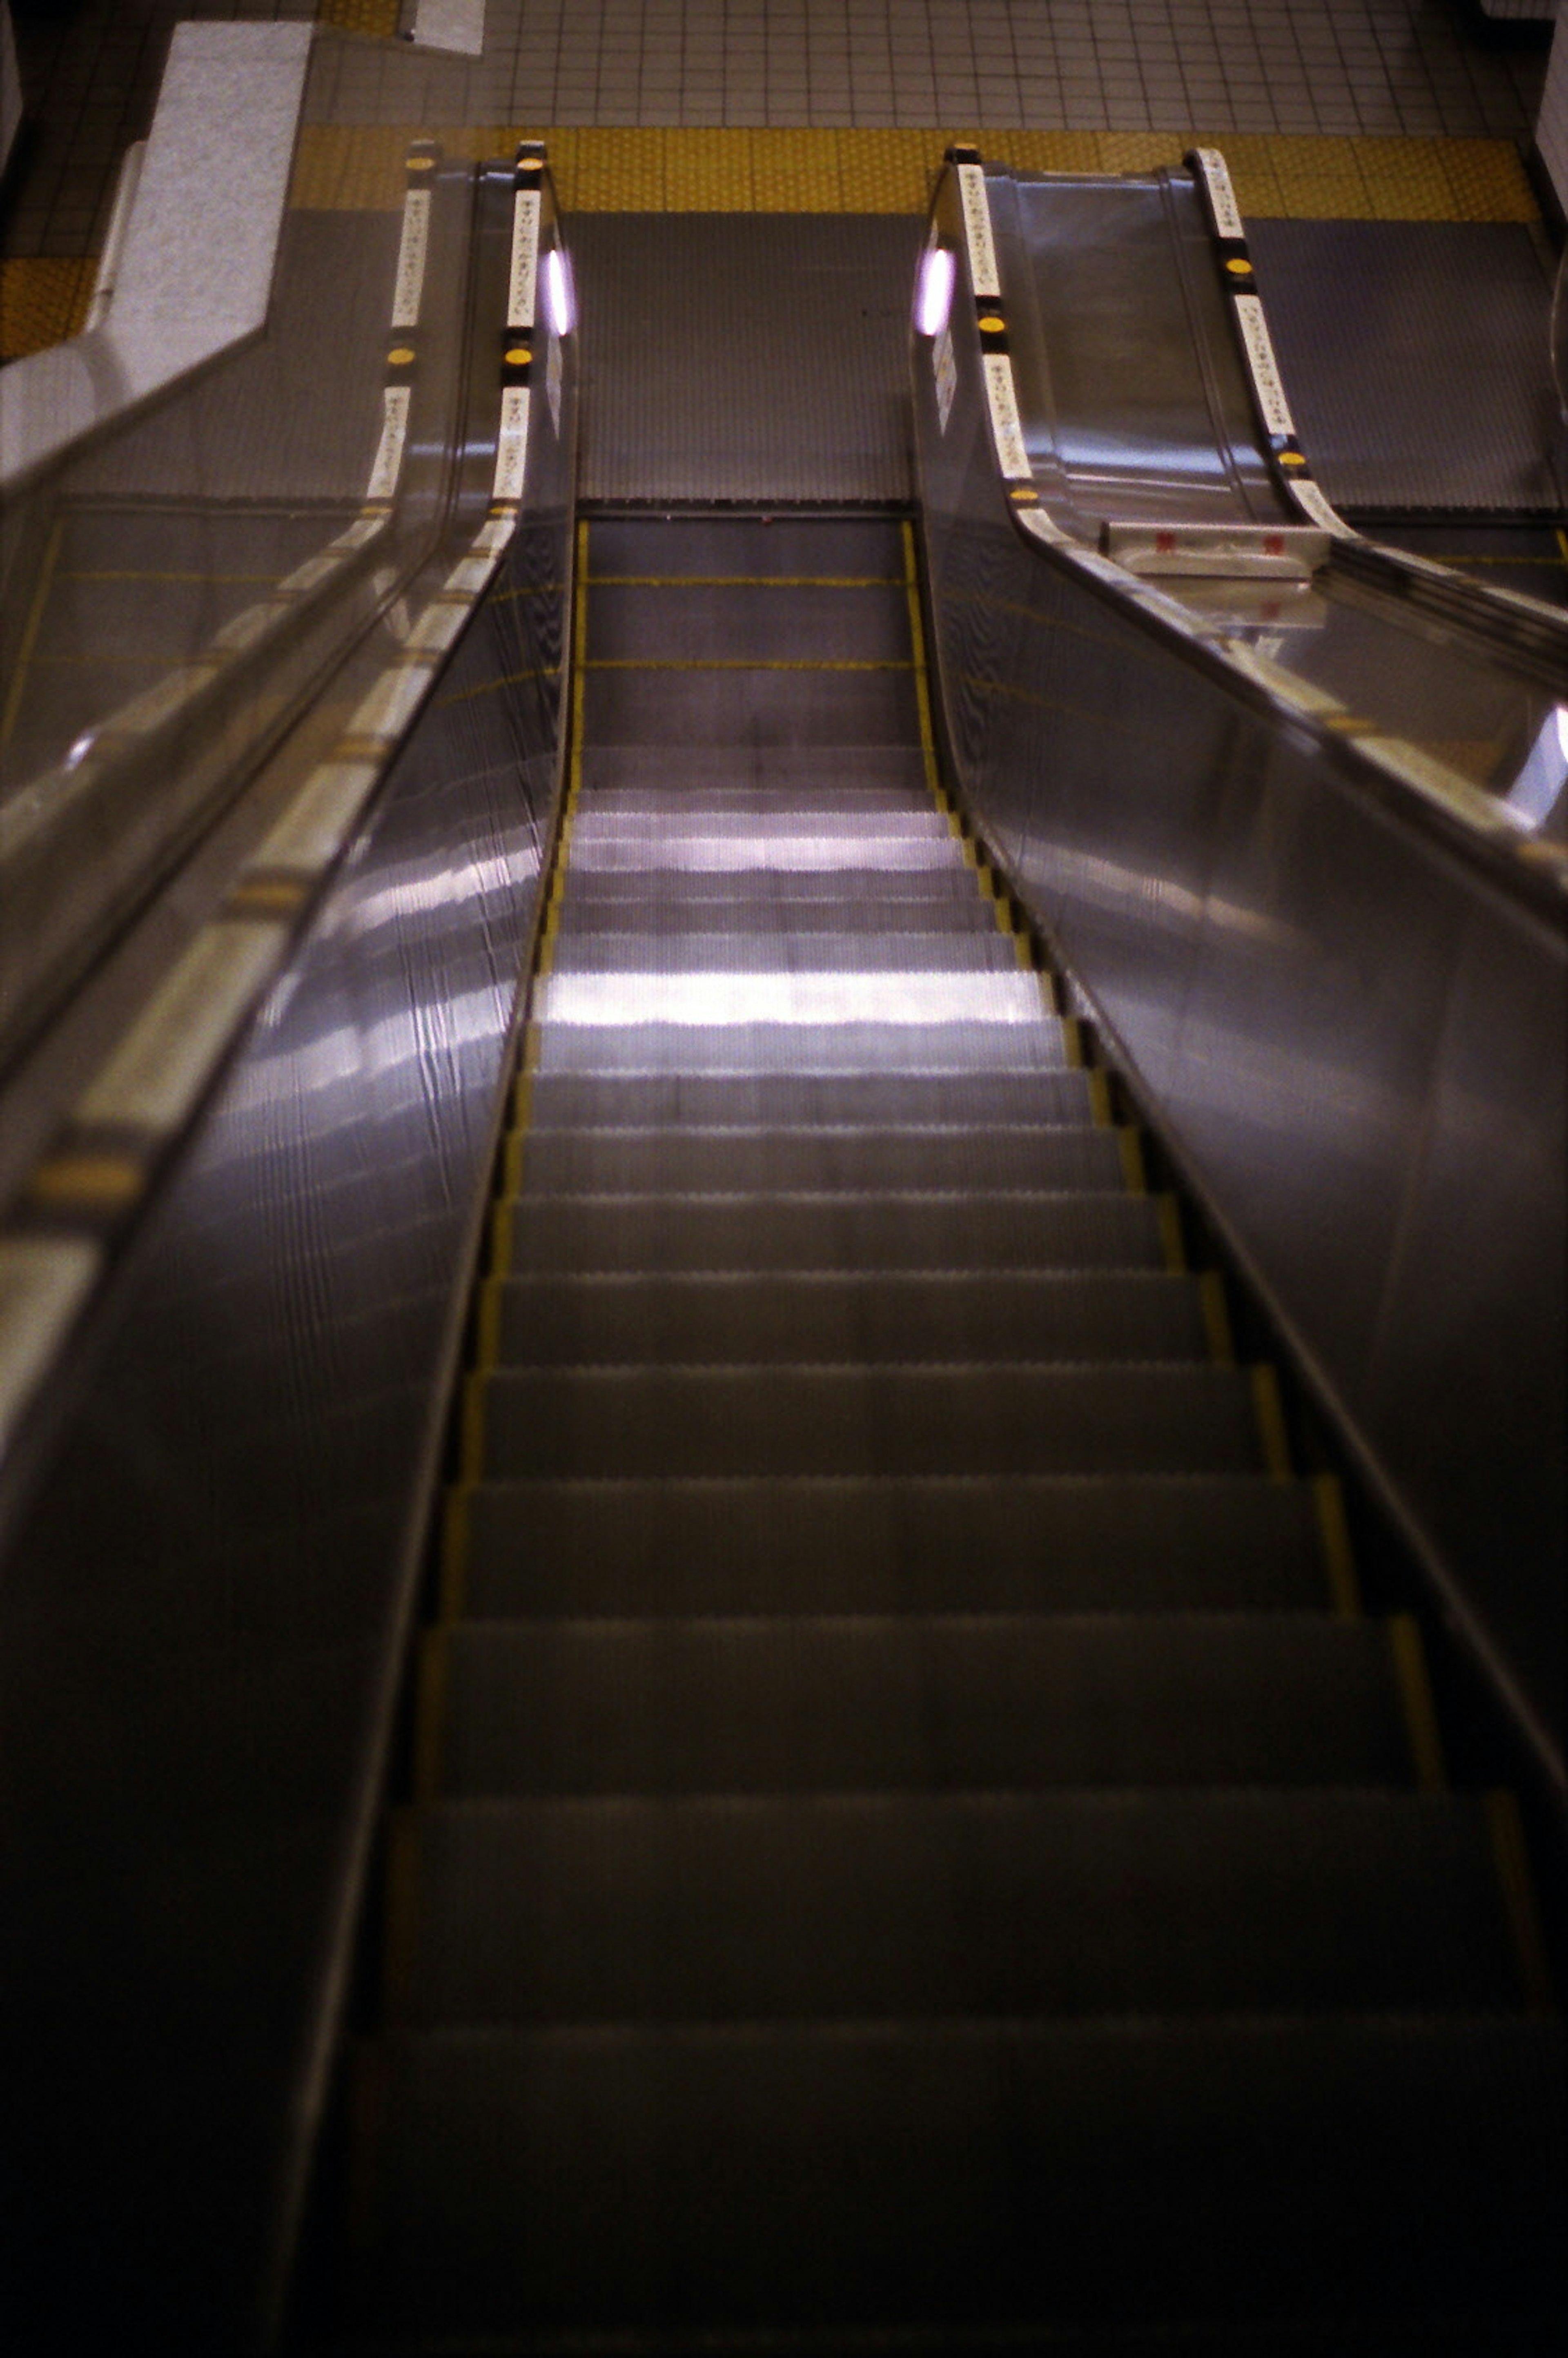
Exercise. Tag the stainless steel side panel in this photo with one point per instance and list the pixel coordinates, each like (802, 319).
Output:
(1130, 377)
(205, 1601)
(1350, 1031)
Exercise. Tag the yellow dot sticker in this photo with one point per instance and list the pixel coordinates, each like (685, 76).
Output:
(421, 163)
(519, 356)
(992, 326)
(1291, 459)
(400, 356)
(1239, 264)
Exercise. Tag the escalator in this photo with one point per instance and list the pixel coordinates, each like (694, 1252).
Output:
(880, 1819)
(911, 1839)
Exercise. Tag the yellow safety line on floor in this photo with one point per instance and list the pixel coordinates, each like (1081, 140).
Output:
(741, 169)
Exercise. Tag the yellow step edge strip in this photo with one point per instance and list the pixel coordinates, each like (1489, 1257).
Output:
(1268, 1408)
(1216, 1307)
(1415, 1696)
(1511, 1857)
(1334, 1541)
(750, 168)
(452, 1583)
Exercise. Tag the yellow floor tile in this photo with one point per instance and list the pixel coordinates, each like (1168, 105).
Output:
(43, 300)
(1405, 179)
(379, 16)
(1320, 179)
(1139, 151)
(1486, 180)
(737, 169)
(796, 171)
(888, 171)
(707, 171)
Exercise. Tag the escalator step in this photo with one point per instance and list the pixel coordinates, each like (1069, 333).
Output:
(652, 706)
(768, 1101)
(797, 1049)
(992, 1420)
(649, 1233)
(667, 1160)
(917, 1544)
(882, 853)
(805, 901)
(903, 1004)
(852, 1905)
(786, 770)
(831, 788)
(695, 620)
(815, 1320)
(998, 1702)
(748, 548)
(770, 949)
(673, 823)
(769, 906)
(768, 2175)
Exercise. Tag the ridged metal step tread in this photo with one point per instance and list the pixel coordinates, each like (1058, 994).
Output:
(743, 766)
(919, 1545)
(751, 705)
(847, 792)
(668, 1159)
(986, 1420)
(741, 1049)
(554, 1235)
(877, 2175)
(879, 855)
(759, 1907)
(813, 1319)
(771, 1100)
(676, 549)
(694, 621)
(768, 950)
(680, 823)
(943, 903)
(917, 1702)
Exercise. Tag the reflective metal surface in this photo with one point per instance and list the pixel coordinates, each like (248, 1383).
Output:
(1348, 1022)
(174, 589)
(1136, 401)
(206, 1592)
(1136, 410)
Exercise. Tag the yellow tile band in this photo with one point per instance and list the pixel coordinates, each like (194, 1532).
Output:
(651, 170)
(377, 17)
(43, 300)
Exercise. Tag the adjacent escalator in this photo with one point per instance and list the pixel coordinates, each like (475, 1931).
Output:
(910, 1840)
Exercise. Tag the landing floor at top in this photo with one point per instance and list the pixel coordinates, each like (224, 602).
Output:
(691, 321)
